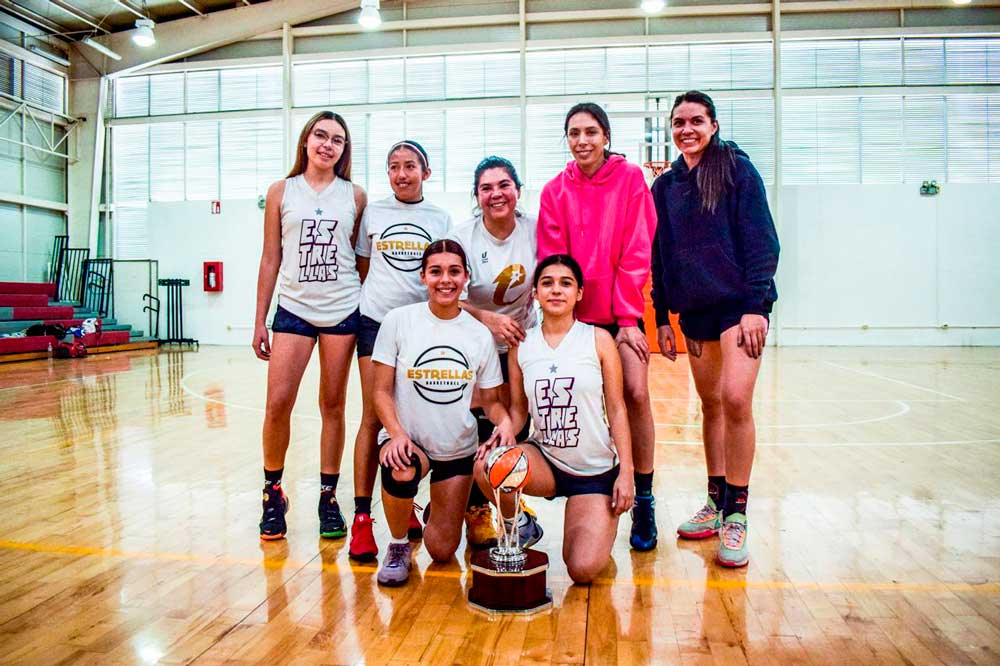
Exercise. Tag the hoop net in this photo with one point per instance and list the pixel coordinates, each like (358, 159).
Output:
(656, 167)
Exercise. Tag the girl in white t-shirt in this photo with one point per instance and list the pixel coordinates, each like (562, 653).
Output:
(310, 221)
(394, 233)
(568, 375)
(500, 241)
(428, 357)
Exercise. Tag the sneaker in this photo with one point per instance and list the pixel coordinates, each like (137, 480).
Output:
(703, 524)
(643, 523)
(415, 531)
(733, 550)
(480, 532)
(363, 547)
(331, 520)
(275, 505)
(529, 532)
(395, 569)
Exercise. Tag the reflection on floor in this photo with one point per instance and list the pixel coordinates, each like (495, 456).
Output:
(132, 499)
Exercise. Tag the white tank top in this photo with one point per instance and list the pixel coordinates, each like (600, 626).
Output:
(565, 389)
(319, 276)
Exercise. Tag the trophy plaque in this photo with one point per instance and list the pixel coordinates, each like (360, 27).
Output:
(508, 578)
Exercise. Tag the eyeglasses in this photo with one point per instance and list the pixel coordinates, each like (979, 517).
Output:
(323, 138)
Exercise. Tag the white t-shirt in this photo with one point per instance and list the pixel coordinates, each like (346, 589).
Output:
(437, 363)
(501, 270)
(318, 275)
(394, 234)
(565, 390)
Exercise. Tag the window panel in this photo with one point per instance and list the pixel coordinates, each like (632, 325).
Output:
(130, 159)
(924, 61)
(385, 81)
(924, 136)
(132, 96)
(166, 162)
(44, 88)
(425, 78)
(966, 60)
(968, 139)
(881, 120)
(166, 94)
(548, 152)
(427, 129)
(384, 129)
(202, 161)
(881, 62)
(626, 69)
(669, 68)
(202, 91)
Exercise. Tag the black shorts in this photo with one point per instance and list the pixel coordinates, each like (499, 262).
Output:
(442, 470)
(286, 322)
(504, 370)
(568, 484)
(367, 332)
(708, 324)
(614, 328)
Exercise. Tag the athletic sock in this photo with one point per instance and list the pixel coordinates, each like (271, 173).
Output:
(328, 482)
(402, 539)
(476, 497)
(736, 500)
(362, 505)
(717, 490)
(643, 484)
(272, 477)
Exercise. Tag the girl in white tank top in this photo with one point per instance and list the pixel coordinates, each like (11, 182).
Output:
(310, 221)
(568, 375)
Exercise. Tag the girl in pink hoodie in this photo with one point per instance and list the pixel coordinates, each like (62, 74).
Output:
(599, 211)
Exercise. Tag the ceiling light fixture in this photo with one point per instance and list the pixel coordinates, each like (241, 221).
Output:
(961, 2)
(653, 6)
(369, 19)
(101, 48)
(48, 55)
(143, 35)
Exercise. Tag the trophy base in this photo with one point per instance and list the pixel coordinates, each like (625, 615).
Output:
(497, 591)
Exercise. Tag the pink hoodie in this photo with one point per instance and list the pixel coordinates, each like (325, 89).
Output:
(606, 222)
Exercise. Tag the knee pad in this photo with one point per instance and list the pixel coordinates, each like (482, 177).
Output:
(402, 489)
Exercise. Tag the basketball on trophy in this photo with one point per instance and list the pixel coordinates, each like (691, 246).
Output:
(507, 468)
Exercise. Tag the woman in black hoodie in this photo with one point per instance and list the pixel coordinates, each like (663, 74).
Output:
(714, 258)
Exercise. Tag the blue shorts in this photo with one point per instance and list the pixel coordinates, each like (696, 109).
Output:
(568, 484)
(367, 332)
(709, 323)
(286, 322)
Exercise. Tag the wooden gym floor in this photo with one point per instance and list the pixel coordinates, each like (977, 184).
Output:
(130, 504)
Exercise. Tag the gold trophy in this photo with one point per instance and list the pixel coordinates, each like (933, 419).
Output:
(508, 578)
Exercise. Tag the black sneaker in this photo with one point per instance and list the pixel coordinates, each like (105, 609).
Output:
(643, 535)
(275, 504)
(331, 520)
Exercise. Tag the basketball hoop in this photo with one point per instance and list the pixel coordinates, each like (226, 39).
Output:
(656, 167)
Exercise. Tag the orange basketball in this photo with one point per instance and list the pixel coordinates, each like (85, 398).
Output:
(507, 468)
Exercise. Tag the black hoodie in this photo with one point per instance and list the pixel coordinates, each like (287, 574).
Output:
(701, 259)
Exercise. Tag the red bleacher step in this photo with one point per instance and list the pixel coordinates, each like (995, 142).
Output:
(60, 312)
(24, 300)
(47, 288)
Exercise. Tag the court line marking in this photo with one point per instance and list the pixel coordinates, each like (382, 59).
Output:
(904, 409)
(740, 583)
(676, 442)
(778, 445)
(694, 398)
(868, 373)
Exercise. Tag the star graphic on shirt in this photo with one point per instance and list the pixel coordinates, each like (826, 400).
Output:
(553, 369)
(319, 211)
(516, 276)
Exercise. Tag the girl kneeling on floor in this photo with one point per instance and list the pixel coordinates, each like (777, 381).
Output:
(569, 376)
(427, 358)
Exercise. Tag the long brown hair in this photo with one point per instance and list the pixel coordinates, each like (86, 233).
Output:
(343, 166)
(715, 169)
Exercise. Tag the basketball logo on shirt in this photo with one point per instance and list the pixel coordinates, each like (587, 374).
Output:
(317, 251)
(510, 278)
(440, 375)
(557, 413)
(402, 246)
